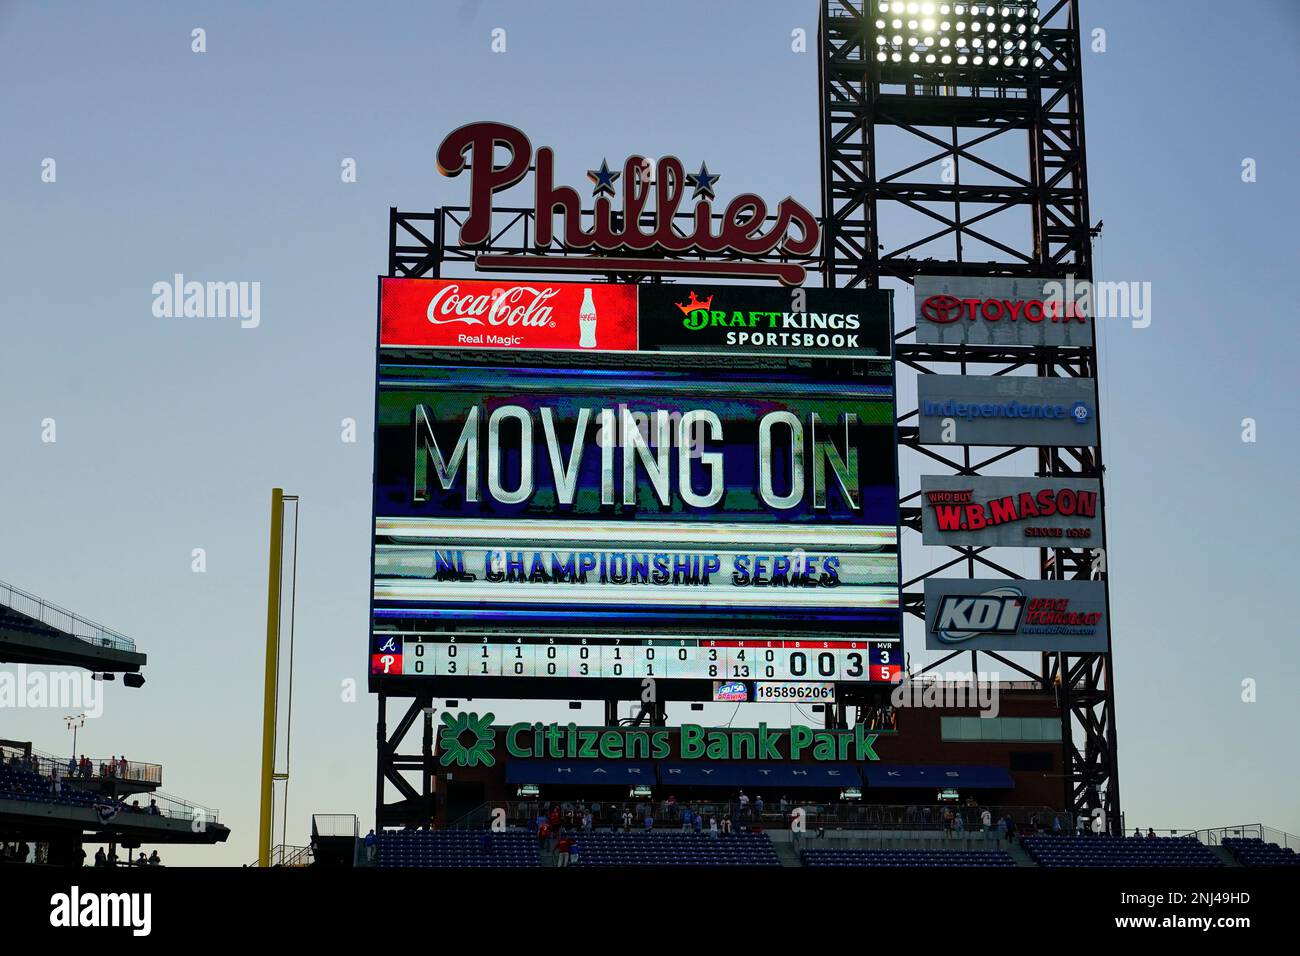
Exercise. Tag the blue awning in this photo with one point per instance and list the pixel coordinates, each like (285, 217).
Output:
(579, 771)
(784, 775)
(941, 777)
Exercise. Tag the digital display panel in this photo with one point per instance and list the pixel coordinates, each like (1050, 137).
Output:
(572, 483)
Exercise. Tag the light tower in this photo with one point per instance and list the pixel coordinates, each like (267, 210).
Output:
(953, 145)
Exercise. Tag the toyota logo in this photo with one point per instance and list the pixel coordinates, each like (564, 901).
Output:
(942, 309)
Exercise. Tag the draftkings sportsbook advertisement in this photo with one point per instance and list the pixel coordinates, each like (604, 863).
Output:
(603, 483)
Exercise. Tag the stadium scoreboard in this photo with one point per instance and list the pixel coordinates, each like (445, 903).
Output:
(603, 483)
(596, 656)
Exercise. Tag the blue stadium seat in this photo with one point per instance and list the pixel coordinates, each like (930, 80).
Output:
(853, 857)
(1253, 851)
(1119, 852)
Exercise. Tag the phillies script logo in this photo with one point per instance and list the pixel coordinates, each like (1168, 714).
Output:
(636, 237)
(509, 306)
(945, 309)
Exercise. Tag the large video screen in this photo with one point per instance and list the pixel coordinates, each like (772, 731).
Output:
(604, 482)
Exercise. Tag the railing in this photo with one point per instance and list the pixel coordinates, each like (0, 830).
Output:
(1216, 835)
(63, 620)
(335, 825)
(775, 815)
(160, 804)
(47, 765)
(285, 855)
(98, 771)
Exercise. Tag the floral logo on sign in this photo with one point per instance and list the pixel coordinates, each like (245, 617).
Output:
(452, 740)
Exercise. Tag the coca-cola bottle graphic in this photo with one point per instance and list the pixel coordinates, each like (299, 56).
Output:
(587, 322)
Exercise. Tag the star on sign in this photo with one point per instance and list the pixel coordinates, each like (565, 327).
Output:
(702, 181)
(603, 179)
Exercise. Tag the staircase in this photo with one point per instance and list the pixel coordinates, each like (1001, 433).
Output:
(1224, 854)
(787, 852)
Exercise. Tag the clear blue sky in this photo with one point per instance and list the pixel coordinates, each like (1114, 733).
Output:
(225, 166)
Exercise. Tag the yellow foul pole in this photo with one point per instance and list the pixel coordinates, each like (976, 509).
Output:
(272, 674)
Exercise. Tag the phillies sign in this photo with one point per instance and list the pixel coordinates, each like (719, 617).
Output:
(633, 238)
(974, 310)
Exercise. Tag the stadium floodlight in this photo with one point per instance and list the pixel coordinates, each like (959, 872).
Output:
(942, 34)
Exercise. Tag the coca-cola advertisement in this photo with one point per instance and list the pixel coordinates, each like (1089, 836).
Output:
(507, 314)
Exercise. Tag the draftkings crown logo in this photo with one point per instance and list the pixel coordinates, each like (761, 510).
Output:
(696, 311)
(451, 740)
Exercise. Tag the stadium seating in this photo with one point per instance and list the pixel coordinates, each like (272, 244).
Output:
(1119, 852)
(908, 858)
(456, 848)
(1252, 851)
(668, 848)
(20, 784)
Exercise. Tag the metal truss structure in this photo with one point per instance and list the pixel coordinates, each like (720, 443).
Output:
(980, 216)
(886, 129)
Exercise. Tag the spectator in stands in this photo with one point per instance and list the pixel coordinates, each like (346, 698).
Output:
(573, 851)
(958, 824)
(743, 800)
(947, 821)
(553, 818)
(141, 859)
(713, 828)
(1056, 825)
(758, 804)
(543, 833)
(986, 820)
(1137, 833)
(587, 821)
(153, 807)
(698, 822)
(627, 820)
(726, 824)
(72, 767)
(154, 859)
(562, 851)
(686, 818)
(372, 847)
(101, 859)
(123, 768)
(1151, 834)
(1011, 829)
(649, 821)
